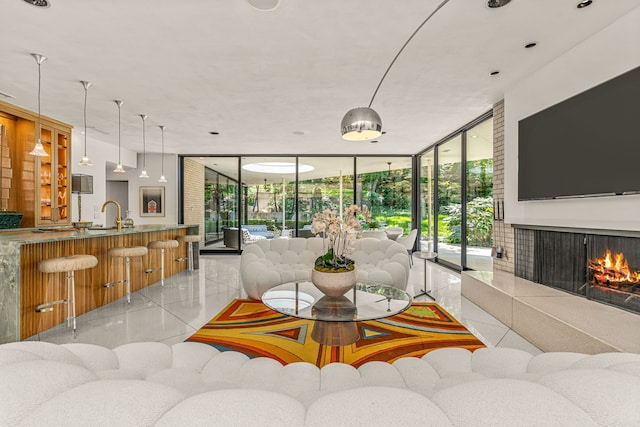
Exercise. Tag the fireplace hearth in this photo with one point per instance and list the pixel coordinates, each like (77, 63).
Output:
(604, 268)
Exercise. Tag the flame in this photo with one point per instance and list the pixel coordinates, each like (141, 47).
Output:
(613, 268)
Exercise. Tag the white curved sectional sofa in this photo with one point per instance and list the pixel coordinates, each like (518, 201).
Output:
(268, 263)
(193, 384)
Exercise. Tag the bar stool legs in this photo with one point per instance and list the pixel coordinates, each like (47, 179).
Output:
(162, 245)
(69, 265)
(189, 240)
(71, 308)
(126, 252)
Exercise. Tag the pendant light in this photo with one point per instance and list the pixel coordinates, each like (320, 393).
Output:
(363, 123)
(38, 150)
(144, 173)
(119, 168)
(85, 159)
(162, 178)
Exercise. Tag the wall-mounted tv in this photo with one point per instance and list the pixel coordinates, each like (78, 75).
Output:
(587, 145)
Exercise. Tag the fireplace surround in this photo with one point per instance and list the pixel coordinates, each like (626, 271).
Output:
(601, 265)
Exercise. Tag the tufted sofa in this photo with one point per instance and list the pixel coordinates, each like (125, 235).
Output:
(382, 261)
(145, 384)
(268, 263)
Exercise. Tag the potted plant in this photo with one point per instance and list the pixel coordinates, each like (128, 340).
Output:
(334, 273)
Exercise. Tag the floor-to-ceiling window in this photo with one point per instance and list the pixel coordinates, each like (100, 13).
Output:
(479, 198)
(221, 208)
(384, 188)
(329, 185)
(449, 199)
(456, 191)
(278, 196)
(427, 205)
(270, 195)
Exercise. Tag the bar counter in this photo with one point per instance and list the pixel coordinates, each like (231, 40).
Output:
(23, 286)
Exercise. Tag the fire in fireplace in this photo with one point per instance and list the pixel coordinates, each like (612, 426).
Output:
(601, 267)
(612, 271)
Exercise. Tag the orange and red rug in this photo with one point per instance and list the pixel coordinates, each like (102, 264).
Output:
(249, 327)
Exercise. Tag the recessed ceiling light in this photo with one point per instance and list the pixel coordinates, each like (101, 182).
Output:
(213, 132)
(584, 4)
(277, 167)
(298, 132)
(264, 5)
(39, 3)
(494, 73)
(497, 3)
(530, 45)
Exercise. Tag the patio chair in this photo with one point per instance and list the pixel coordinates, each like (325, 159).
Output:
(409, 242)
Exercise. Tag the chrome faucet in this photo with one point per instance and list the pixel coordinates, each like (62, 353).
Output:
(119, 216)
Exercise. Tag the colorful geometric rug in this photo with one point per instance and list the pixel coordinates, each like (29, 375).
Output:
(249, 327)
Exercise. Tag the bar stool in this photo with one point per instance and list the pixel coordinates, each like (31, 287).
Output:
(189, 239)
(162, 245)
(69, 265)
(126, 252)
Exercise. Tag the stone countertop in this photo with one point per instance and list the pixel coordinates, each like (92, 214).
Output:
(39, 235)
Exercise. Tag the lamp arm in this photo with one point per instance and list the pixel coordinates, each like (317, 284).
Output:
(402, 48)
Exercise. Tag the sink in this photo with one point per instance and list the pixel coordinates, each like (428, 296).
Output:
(102, 228)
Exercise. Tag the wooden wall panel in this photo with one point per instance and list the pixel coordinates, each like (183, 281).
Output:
(37, 288)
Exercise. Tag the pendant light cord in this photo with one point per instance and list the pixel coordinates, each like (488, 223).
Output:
(162, 158)
(118, 103)
(39, 82)
(144, 145)
(402, 48)
(85, 117)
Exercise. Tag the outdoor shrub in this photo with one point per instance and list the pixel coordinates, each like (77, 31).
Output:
(479, 222)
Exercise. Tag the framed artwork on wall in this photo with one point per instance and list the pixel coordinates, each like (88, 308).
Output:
(151, 201)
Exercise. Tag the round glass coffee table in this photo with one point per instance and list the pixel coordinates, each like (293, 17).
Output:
(334, 317)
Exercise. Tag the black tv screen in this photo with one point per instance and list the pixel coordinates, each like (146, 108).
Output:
(587, 145)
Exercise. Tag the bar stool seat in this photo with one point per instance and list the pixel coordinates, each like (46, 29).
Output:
(69, 265)
(162, 245)
(126, 252)
(189, 240)
(130, 251)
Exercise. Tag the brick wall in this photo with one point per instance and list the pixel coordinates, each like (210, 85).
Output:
(502, 233)
(193, 193)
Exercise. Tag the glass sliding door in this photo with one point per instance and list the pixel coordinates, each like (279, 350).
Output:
(479, 198)
(427, 207)
(449, 193)
(456, 197)
(221, 208)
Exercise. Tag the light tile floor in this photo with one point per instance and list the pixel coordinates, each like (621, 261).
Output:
(172, 313)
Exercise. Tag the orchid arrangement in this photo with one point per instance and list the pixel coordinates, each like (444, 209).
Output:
(339, 234)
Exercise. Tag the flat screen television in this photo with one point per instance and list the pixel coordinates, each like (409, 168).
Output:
(587, 145)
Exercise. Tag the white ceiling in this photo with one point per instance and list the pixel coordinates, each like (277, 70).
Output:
(257, 77)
